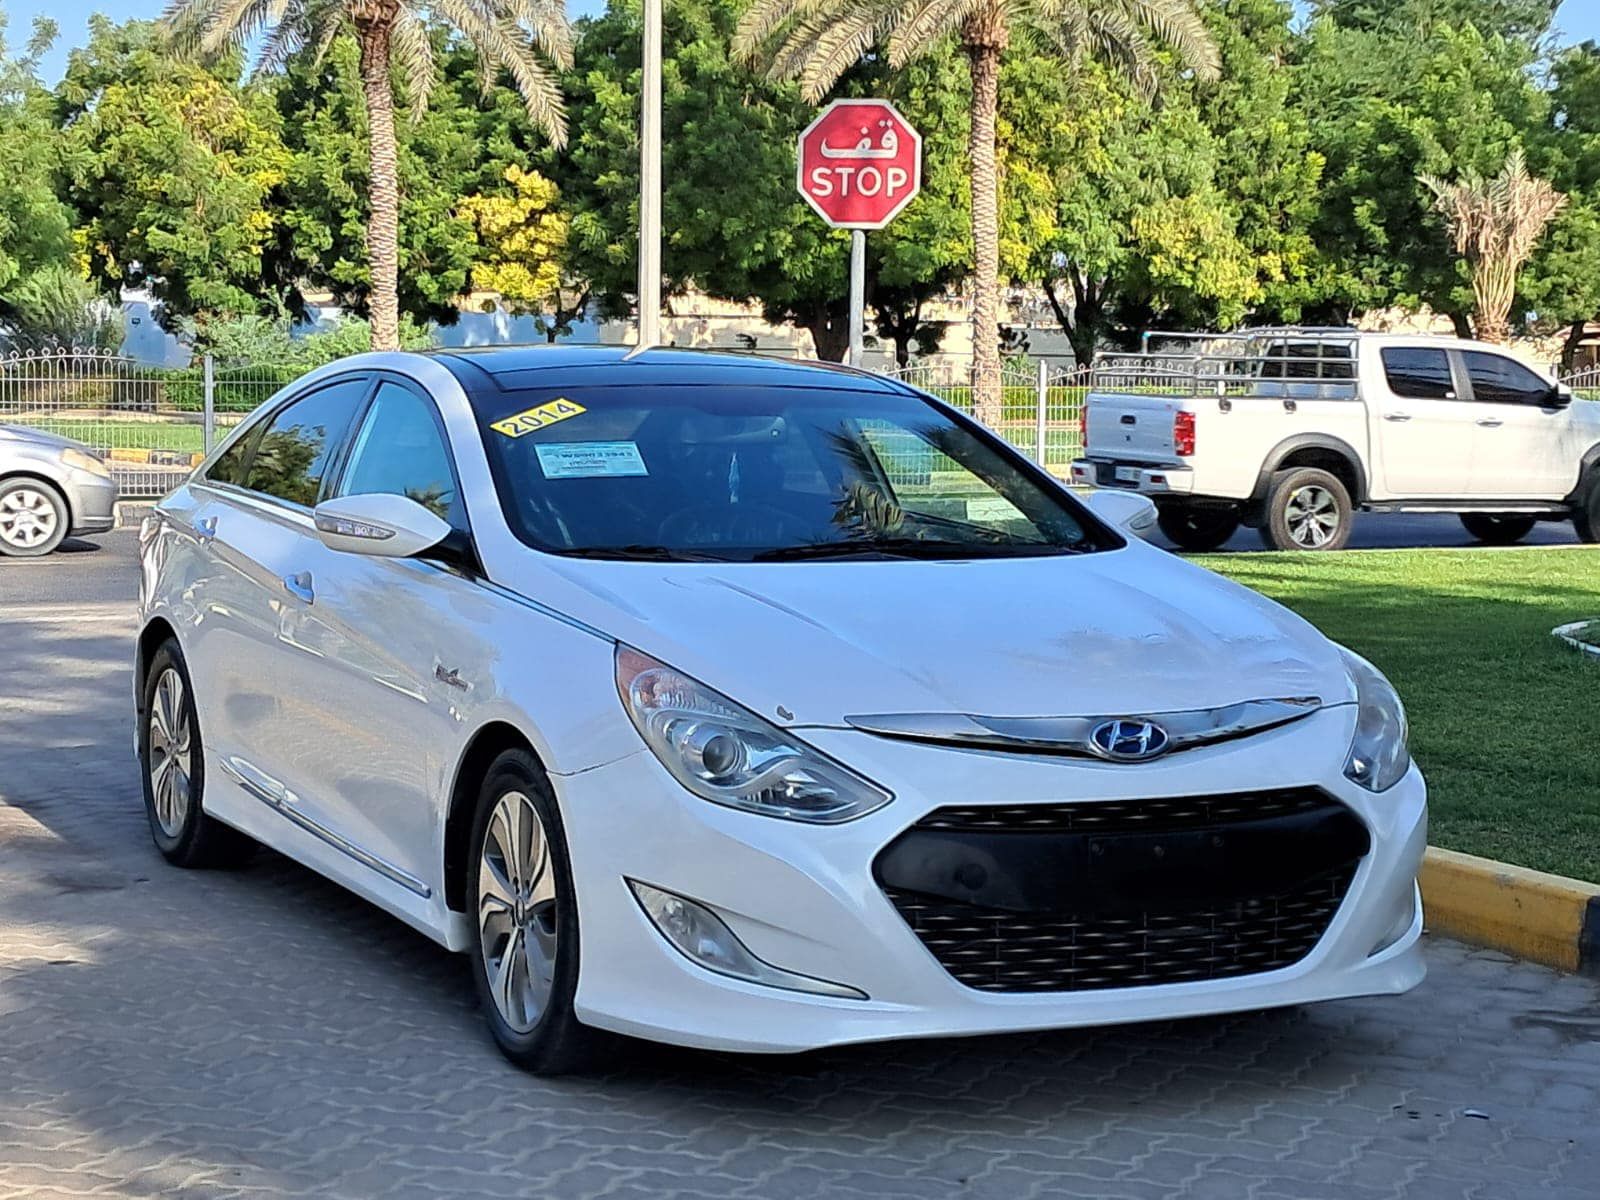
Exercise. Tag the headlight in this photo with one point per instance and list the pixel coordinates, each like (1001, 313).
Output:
(1379, 753)
(728, 755)
(85, 462)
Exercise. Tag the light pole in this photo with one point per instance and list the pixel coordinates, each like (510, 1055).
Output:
(650, 180)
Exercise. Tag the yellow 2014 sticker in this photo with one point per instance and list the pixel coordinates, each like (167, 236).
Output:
(538, 418)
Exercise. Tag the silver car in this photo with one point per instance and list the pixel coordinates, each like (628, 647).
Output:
(50, 487)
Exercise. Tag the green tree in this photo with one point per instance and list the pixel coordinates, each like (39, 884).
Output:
(1386, 109)
(461, 146)
(1527, 20)
(522, 37)
(171, 169)
(817, 41)
(35, 226)
(736, 227)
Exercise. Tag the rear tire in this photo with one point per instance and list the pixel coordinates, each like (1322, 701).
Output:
(33, 518)
(174, 769)
(1586, 515)
(524, 914)
(1197, 528)
(1307, 509)
(1493, 530)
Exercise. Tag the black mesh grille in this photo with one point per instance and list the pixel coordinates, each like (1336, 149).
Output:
(1176, 939)
(1129, 816)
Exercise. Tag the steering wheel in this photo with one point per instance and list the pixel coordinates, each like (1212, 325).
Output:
(731, 525)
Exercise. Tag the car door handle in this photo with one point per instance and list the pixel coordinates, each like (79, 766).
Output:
(1490, 422)
(205, 529)
(1397, 416)
(299, 586)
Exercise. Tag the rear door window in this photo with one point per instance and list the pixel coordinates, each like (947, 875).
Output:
(1499, 380)
(296, 448)
(1418, 373)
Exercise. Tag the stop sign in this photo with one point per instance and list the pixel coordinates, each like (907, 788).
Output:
(860, 163)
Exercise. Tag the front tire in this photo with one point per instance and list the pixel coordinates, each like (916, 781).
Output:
(1307, 509)
(1494, 530)
(174, 769)
(525, 913)
(1197, 528)
(33, 518)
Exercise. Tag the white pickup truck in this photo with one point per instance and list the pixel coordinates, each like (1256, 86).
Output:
(1292, 430)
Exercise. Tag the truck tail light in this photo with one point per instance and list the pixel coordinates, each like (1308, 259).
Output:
(1083, 429)
(1183, 434)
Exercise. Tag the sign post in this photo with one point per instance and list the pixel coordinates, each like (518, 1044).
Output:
(859, 164)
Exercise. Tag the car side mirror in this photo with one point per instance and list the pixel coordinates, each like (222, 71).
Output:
(383, 525)
(1127, 511)
(1560, 396)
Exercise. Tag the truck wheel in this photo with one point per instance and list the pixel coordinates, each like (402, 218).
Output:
(1197, 527)
(1494, 530)
(1307, 509)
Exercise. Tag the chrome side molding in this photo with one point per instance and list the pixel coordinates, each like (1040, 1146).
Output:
(284, 804)
(1076, 735)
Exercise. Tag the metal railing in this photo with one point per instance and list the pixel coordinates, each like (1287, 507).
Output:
(153, 424)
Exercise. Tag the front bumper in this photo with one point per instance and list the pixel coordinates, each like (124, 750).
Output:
(1133, 477)
(92, 501)
(804, 898)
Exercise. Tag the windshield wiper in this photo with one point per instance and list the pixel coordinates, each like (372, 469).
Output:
(900, 547)
(635, 552)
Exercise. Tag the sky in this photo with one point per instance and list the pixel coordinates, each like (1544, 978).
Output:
(1578, 20)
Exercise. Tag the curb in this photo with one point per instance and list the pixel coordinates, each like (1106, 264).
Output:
(1568, 634)
(1547, 919)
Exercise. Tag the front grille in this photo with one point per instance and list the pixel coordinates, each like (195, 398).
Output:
(1128, 816)
(1156, 922)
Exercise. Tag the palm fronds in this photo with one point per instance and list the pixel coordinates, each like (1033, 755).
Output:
(1494, 224)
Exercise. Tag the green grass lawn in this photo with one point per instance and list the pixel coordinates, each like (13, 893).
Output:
(1505, 719)
(137, 435)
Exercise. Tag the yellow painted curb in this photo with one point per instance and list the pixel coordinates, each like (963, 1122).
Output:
(1547, 919)
(115, 454)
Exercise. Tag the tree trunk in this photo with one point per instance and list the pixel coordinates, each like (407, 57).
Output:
(1571, 345)
(1462, 325)
(374, 24)
(984, 37)
(830, 331)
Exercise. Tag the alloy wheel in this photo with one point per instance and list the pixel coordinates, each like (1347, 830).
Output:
(517, 911)
(27, 518)
(1312, 515)
(171, 776)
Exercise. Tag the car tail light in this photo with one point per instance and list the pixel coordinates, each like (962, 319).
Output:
(1183, 434)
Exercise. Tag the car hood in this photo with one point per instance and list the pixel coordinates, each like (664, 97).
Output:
(38, 437)
(1131, 631)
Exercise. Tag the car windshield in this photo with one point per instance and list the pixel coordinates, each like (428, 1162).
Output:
(742, 474)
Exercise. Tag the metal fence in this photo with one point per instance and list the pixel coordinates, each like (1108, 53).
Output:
(1041, 403)
(153, 424)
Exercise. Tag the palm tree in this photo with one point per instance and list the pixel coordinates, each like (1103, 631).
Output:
(816, 41)
(525, 38)
(1495, 224)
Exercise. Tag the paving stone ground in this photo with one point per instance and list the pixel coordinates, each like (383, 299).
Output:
(262, 1033)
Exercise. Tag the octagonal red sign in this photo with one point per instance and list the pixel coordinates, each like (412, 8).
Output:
(860, 163)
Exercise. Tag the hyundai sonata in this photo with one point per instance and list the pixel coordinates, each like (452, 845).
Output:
(759, 706)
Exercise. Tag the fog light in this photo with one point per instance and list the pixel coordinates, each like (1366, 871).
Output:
(704, 938)
(1404, 919)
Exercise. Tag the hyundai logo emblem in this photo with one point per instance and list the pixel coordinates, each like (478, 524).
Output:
(1128, 740)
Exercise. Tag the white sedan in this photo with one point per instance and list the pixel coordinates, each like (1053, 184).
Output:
(757, 706)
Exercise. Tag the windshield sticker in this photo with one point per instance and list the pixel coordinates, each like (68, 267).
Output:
(535, 419)
(590, 460)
